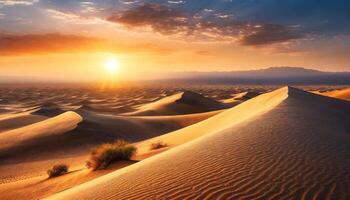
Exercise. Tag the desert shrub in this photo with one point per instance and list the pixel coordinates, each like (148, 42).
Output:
(158, 145)
(104, 154)
(57, 170)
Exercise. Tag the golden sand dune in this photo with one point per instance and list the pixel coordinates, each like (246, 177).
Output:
(30, 150)
(219, 122)
(28, 130)
(287, 144)
(178, 104)
(68, 138)
(340, 94)
(31, 134)
(13, 121)
(239, 98)
(246, 95)
(137, 128)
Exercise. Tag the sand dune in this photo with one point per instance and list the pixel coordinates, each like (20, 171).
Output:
(219, 122)
(69, 137)
(30, 150)
(86, 125)
(49, 110)
(182, 103)
(246, 95)
(137, 128)
(240, 97)
(34, 133)
(287, 144)
(39, 187)
(13, 121)
(340, 94)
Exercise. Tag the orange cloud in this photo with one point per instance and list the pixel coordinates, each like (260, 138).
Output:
(14, 45)
(47, 43)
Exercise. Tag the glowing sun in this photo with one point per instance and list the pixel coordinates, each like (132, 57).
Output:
(112, 65)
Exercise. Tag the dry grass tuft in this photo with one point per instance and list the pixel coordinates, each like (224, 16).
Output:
(104, 154)
(57, 170)
(158, 145)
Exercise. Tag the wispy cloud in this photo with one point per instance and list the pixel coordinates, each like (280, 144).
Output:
(46, 43)
(128, 2)
(53, 43)
(74, 18)
(217, 27)
(17, 2)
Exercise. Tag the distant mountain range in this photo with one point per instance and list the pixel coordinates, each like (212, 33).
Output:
(272, 75)
(268, 76)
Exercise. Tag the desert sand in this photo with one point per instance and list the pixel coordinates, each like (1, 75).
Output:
(287, 144)
(340, 94)
(182, 103)
(33, 141)
(227, 144)
(13, 121)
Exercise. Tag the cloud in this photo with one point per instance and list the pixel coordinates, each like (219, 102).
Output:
(46, 43)
(160, 18)
(18, 2)
(128, 2)
(213, 27)
(53, 43)
(176, 2)
(268, 34)
(73, 18)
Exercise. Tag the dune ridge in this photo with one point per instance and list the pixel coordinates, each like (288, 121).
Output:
(295, 148)
(69, 138)
(32, 133)
(13, 121)
(137, 128)
(178, 104)
(48, 110)
(221, 121)
(339, 94)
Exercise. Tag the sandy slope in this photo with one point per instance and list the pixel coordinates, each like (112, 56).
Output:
(340, 94)
(239, 98)
(219, 122)
(49, 110)
(31, 149)
(33, 133)
(182, 103)
(13, 121)
(27, 152)
(137, 128)
(296, 147)
(40, 186)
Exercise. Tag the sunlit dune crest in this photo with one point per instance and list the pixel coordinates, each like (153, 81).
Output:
(340, 94)
(182, 103)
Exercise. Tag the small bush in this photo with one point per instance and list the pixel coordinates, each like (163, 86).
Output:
(104, 154)
(158, 145)
(57, 170)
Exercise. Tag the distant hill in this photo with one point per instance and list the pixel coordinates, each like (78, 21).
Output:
(272, 75)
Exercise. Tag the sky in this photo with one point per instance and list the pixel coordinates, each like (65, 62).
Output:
(72, 40)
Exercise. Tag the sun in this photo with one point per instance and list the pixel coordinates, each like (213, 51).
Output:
(112, 65)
